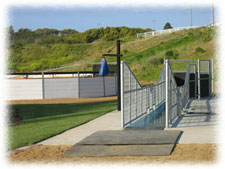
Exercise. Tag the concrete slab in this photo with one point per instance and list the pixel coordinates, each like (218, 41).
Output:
(131, 137)
(119, 150)
(125, 143)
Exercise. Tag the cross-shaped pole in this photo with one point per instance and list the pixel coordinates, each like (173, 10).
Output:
(118, 55)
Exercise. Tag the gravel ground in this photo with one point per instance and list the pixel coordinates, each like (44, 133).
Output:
(183, 153)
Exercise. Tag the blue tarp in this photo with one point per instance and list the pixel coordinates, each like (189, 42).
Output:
(104, 70)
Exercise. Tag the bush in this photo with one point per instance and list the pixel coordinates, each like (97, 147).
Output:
(124, 51)
(199, 50)
(139, 56)
(171, 54)
(157, 61)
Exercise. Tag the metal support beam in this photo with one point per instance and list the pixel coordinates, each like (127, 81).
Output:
(118, 55)
(118, 77)
(212, 76)
(103, 78)
(122, 97)
(167, 94)
(78, 77)
(43, 85)
(199, 83)
(196, 81)
(209, 68)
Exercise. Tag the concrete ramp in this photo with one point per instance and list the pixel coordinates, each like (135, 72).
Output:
(125, 143)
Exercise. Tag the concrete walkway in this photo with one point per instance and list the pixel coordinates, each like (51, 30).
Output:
(109, 121)
(196, 127)
(204, 105)
(197, 135)
(199, 124)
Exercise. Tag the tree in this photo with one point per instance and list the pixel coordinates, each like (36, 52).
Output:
(68, 31)
(10, 32)
(167, 26)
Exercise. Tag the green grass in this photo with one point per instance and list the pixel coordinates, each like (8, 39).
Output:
(144, 56)
(46, 120)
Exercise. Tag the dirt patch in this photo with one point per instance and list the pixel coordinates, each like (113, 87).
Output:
(62, 101)
(183, 153)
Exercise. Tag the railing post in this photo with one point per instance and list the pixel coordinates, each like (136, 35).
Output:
(130, 92)
(196, 80)
(209, 78)
(122, 94)
(212, 67)
(43, 85)
(199, 78)
(78, 77)
(136, 98)
(167, 94)
(103, 78)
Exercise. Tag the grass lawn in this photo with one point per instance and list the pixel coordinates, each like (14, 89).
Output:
(41, 121)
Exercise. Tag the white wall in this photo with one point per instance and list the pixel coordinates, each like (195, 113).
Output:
(110, 86)
(93, 87)
(61, 88)
(22, 89)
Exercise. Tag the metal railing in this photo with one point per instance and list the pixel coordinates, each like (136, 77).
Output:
(138, 101)
(154, 105)
(178, 96)
(160, 32)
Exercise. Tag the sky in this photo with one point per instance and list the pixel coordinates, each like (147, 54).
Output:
(30, 14)
(84, 18)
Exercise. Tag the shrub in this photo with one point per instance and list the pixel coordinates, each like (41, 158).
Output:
(171, 54)
(124, 51)
(199, 50)
(157, 61)
(139, 56)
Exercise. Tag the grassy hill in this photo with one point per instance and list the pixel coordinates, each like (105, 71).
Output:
(144, 56)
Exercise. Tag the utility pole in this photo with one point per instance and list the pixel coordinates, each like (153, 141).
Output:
(213, 14)
(191, 15)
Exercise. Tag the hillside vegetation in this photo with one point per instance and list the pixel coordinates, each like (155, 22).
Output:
(144, 56)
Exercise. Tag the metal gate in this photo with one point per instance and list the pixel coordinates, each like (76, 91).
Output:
(193, 88)
(204, 78)
(201, 77)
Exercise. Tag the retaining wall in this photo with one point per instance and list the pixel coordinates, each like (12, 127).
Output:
(23, 89)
